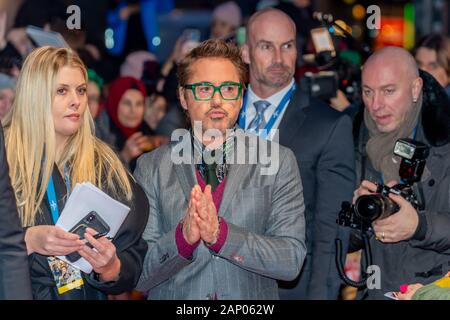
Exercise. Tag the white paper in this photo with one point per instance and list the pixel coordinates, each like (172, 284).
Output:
(86, 198)
(391, 295)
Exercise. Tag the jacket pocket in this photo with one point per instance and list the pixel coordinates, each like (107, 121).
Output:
(251, 208)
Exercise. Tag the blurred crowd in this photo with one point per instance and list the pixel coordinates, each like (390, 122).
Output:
(132, 93)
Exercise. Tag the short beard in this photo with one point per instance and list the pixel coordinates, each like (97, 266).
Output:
(275, 84)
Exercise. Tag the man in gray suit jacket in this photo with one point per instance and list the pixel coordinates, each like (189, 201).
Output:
(320, 137)
(224, 222)
(15, 280)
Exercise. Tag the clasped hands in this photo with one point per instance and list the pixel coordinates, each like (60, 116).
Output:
(201, 221)
(397, 227)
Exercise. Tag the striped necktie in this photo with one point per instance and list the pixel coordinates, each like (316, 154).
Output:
(258, 122)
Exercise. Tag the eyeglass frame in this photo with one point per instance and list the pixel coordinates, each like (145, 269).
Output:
(193, 86)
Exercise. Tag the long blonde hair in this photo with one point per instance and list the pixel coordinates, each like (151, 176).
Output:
(30, 138)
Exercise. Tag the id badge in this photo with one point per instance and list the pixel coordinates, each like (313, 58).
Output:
(66, 277)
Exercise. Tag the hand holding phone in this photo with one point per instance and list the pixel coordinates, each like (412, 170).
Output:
(91, 220)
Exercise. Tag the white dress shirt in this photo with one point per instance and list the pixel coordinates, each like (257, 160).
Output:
(274, 100)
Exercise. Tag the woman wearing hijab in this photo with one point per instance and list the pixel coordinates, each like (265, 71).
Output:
(123, 125)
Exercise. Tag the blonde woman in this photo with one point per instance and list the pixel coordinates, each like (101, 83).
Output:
(51, 146)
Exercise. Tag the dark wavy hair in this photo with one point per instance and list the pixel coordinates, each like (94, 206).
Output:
(212, 48)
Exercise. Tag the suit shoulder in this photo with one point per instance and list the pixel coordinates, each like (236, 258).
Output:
(157, 155)
(274, 145)
(321, 110)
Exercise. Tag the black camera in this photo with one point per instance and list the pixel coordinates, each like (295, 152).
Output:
(369, 208)
(322, 85)
(339, 69)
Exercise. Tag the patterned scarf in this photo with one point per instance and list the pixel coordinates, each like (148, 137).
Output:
(219, 156)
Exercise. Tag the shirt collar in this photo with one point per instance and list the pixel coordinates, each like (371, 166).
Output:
(274, 99)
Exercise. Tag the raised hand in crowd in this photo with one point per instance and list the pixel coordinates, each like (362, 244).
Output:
(340, 102)
(136, 144)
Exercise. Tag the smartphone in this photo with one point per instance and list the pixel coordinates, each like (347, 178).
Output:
(91, 220)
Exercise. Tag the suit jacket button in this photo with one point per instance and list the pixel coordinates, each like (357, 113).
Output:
(163, 258)
(431, 182)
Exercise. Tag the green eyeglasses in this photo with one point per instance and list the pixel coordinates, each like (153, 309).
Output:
(204, 91)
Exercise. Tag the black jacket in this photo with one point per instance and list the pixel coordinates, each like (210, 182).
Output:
(426, 256)
(321, 139)
(130, 248)
(14, 273)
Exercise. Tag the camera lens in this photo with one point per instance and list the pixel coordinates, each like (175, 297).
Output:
(368, 207)
(374, 206)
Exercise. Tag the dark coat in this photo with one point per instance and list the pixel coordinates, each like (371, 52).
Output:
(427, 258)
(130, 249)
(14, 273)
(321, 139)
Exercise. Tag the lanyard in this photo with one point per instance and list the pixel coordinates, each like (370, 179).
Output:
(280, 108)
(51, 195)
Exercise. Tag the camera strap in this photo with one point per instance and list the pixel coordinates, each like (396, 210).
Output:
(278, 111)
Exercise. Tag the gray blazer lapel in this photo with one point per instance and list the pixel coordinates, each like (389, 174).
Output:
(236, 174)
(186, 176)
(234, 183)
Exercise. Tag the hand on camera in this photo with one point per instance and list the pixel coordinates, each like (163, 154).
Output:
(367, 187)
(398, 226)
(401, 225)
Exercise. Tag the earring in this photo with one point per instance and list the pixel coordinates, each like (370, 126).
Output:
(415, 100)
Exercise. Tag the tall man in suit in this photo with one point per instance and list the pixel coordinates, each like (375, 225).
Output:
(219, 229)
(320, 137)
(15, 280)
